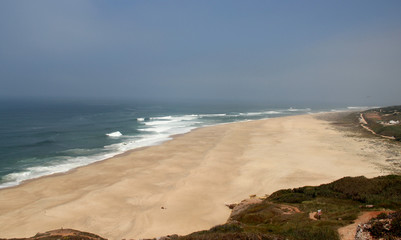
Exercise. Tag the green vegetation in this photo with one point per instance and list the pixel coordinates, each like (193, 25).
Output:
(379, 118)
(340, 202)
(229, 236)
(382, 191)
(396, 224)
(63, 234)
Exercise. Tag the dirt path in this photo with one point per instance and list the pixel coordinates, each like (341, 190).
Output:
(289, 209)
(348, 232)
(364, 124)
(312, 216)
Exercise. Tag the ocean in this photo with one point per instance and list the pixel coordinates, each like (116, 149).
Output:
(42, 138)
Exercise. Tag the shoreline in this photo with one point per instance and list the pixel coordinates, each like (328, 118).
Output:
(182, 185)
(145, 147)
(127, 153)
(171, 137)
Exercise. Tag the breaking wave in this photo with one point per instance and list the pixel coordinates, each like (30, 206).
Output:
(148, 131)
(114, 134)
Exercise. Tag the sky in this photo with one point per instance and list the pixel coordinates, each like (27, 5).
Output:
(336, 52)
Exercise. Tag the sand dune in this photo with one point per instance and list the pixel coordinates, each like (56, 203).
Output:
(182, 185)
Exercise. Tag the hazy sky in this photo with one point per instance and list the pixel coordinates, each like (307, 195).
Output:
(268, 51)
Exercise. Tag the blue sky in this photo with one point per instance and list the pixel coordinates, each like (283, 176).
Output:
(338, 52)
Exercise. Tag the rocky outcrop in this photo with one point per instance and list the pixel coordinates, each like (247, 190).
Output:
(384, 226)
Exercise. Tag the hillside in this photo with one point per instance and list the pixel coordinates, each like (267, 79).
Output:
(340, 202)
(383, 121)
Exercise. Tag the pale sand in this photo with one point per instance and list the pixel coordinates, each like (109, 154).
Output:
(192, 177)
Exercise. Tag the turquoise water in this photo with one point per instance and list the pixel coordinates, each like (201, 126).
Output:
(42, 138)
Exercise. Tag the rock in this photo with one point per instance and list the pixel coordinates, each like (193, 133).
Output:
(232, 205)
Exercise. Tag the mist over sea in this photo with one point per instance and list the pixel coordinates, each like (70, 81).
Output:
(42, 138)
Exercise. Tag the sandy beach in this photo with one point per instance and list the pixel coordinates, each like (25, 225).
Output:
(182, 185)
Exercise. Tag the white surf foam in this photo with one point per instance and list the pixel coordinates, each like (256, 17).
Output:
(161, 118)
(158, 129)
(291, 109)
(185, 117)
(114, 134)
(260, 113)
(154, 131)
(212, 115)
(154, 123)
(60, 165)
(171, 124)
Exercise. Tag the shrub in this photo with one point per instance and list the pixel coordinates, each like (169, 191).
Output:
(377, 230)
(382, 216)
(226, 228)
(396, 225)
(313, 232)
(294, 196)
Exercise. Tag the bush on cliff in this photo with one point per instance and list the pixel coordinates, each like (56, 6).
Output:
(384, 191)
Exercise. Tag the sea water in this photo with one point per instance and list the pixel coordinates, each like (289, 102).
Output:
(42, 138)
